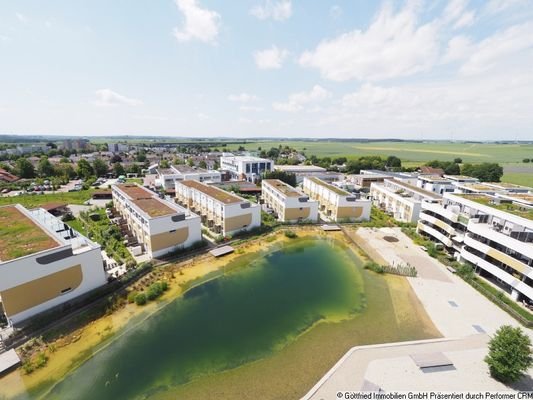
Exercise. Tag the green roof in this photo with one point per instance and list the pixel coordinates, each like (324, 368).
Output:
(506, 206)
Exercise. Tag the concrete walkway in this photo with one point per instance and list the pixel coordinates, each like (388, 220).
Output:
(464, 317)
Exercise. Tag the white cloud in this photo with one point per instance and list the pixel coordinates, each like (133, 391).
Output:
(242, 97)
(497, 48)
(498, 6)
(200, 23)
(277, 10)
(459, 47)
(251, 108)
(202, 116)
(272, 58)
(4, 38)
(109, 98)
(456, 13)
(335, 11)
(394, 45)
(21, 17)
(297, 101)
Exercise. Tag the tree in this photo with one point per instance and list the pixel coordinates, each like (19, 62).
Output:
(510, 354)
(283, 176)
(190, 162)
(526, 160)
(393, 162)
(84, 169)
(241, 148)
(100, 167)
(164, 164)
(118, 169)
(458, 160)
(485, 172)
(202, 164)
(115, 159)
(45, 168)
(24, 168)
(449, 168)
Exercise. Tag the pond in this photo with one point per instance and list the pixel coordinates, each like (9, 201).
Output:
(265, 324)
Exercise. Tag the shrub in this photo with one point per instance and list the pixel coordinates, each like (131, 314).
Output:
(155, 290)
(140, 299)
(373, 266)
(131, 296)
(41, 360)
(290, 234)
(510, 354)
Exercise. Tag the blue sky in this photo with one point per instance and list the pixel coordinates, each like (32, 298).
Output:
(454, 69)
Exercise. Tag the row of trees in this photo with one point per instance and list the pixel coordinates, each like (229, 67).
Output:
(45, 169)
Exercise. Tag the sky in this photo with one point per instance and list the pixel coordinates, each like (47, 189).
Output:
(448, 69)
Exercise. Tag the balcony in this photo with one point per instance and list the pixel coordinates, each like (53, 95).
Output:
(500, 256)
(435, 234)
(438, 209)
(486, 231)
(498, 273)
(437, 222)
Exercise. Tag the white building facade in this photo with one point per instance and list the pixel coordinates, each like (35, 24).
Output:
(289, 204)
(246, 168)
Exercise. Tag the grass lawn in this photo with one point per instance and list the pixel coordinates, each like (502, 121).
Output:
(77, 225)
(519, 178)
(33, 201)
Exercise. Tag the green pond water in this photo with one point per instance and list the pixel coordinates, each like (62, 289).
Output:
(262, 303)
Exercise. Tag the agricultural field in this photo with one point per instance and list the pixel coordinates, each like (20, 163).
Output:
(407, 151)
(32, 201)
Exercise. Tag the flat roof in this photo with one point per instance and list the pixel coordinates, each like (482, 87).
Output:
(300, 168)
(212, 191)
(507, 185)
(249, 158)
(185, 169)
(433, 178)
(478, 186)
(283, 187)
(148, 201)
(460, 177)
(489, 201)
(415, 189)
(328, 186)
(21, 235)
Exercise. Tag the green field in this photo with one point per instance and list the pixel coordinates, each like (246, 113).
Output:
(520, 178)
(407, 151)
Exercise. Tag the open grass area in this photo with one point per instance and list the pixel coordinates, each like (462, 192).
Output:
(519, 178)
(407, 151)
(33, 201)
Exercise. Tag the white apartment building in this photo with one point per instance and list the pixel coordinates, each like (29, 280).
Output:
(436, 184)
(166, 177)
(289, 204)
(221, 212)
(44, 264)
(336, 203)
(246, 168)
(401, 200)
(494, 233)
(405, 177)
(160, 226)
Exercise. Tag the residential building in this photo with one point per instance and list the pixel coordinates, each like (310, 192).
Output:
(435, 183)
(289, 204)
(246, 167)
(405, 177)
(34, 148)
(221, 212)
(364, 181)
(301, 171)
(7, 176)
(166, 177)
(493, 233)
(336, 203)
(117, 147)
(160, 226)
(43, 263)
(401, 200)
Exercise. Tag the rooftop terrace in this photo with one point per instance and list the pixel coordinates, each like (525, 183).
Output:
(212, 191)
(284, 188)
(328, 186)
(21, 236)
(511, 208)
(413, 188)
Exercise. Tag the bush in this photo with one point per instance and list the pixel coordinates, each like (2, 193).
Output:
(373, 266)
(140, 299)
(510, 354)
(155, 290)
(290, 234)
(131, 296)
